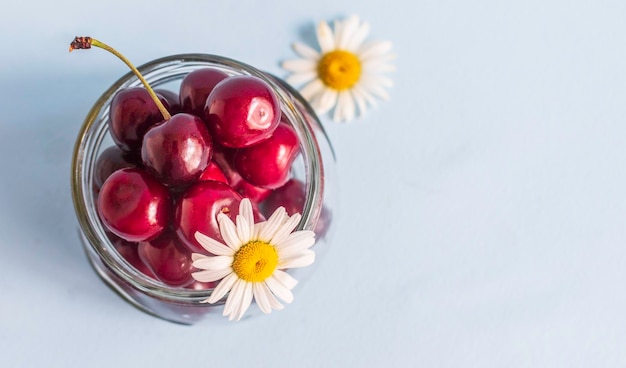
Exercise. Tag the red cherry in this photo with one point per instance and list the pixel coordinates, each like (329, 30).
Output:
(241, 111)
(254, 193)
(224, 157)
(291, 196)
(132, 113)
(128, 250)
(213, 172)
(197, 210)
(109, 161)
(133, 205)
(196, 87)
(178, 150)
(168, 259)
(266, 164)
(172, 99)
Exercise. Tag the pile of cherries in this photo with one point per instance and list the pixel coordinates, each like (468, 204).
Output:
(168, 178)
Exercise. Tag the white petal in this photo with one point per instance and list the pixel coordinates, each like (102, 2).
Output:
(374, 86)
(305, 51)
(286, 229)
(337, 30)
(228, 231)
(300, 65)
(365, 94)
(234, 298)
(327, 101)
(350, 25)
(360, 100)
(302, 239)
(212, 245)
(301, 78)
(263, 291)
(274, 303)
(222, 288)
(196, 256)
(345, 107)
(245, 210)
(211, 275)
(360, 34)
(325, 37)
(350, 108)
(384, 58)
(261, 298)
(246, 300)
(213, 263)
(285, 279)
(381, 80)
(375, 67)
(312, 89)
(373, 49)
(244, 230)
(273, 224)
(279, 290)
(306, 259)
(286, 255)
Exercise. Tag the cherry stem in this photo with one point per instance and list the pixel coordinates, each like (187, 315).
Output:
(87, 42)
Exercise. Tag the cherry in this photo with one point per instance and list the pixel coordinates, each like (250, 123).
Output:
(197, 210)
(291, 196)
(213, 172)
(178, 150)
(132, 113)
(224, 157)
(241, 111)
(167, 259)
(254, 193)
(173, 101)
(196, 87)
(266, 164)
(128, 250)
(109, 161)
(133, 205)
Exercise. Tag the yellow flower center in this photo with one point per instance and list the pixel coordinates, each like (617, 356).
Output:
(255, 261)
(339, 69)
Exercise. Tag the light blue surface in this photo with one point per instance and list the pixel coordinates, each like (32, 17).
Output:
(482, 210)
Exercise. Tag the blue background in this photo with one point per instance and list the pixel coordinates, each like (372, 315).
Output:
(481, 221)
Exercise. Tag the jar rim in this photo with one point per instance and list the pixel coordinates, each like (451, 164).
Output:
(169, 68)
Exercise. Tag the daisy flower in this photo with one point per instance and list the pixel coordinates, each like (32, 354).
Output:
(250, 265)
(347, 71)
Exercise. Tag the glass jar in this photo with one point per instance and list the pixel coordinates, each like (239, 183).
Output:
(314, 167)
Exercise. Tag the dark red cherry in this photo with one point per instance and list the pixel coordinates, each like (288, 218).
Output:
(291, 196)
(128, 250)
(167, 259)
(109, 161)
(266, 164)
(132, 113)
(197, 210)
(133, 205)
(172, 98)
(241, 111)
(254, 193)
(196, 87)
(178, 150)
(223, 158)
(213, 172)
